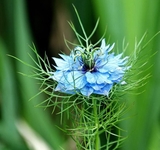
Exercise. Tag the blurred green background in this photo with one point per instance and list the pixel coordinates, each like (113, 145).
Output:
(44, 23)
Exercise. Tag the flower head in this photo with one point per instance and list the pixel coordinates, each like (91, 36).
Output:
(89, 70)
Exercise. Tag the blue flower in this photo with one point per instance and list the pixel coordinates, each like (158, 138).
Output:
(89, 70)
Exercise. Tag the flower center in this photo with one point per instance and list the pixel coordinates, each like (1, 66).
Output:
(87, 68)
(87, 58)
(88, 61)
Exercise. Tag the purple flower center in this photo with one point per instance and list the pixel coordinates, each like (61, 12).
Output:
(87, 68)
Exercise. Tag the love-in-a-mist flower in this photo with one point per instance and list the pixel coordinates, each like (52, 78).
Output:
(89, 70)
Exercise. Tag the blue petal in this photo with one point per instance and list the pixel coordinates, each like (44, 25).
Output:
(103, 44)
(87, 91)
(111, 47)
(109, 67)
(60, 87)
(103, 78)
(107, 48)
(105, 90)
(91, 78)
(97, 87)
(73, 80)
(57, 75)
(115, 77)
(61, 64)
(65, 57)
(79, 79)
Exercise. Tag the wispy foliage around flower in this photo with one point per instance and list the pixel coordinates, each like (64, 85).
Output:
(88, 85)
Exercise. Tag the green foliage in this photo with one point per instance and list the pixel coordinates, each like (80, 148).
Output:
(16, 90)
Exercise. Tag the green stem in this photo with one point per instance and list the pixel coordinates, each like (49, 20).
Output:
(97, 139)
